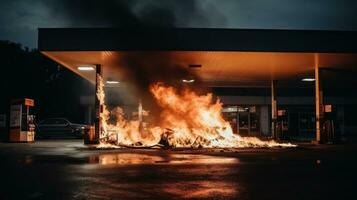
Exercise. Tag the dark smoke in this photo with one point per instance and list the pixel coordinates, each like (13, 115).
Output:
(142, 14)
(140, 69)
(96, 13)
(133, 13)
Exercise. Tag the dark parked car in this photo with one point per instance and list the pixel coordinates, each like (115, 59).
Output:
(60, 128)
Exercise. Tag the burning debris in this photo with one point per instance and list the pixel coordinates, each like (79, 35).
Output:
(187, 120)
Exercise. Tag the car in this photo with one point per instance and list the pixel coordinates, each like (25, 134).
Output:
(60, 128)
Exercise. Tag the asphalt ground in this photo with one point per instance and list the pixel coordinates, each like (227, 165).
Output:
(67, 169)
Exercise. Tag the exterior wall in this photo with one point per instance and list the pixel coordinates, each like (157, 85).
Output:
(350, 120)
(245, 100)
(299, 110)
(265, 100)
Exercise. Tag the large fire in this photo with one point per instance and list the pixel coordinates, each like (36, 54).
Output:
(187, 120)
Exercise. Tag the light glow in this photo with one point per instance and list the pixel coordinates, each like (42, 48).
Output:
(308, 79)
(112, 82)
(86, 68)
(188, 80)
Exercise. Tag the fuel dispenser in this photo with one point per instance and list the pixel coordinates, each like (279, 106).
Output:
(282, 124)
(22, 126)
(329, 133)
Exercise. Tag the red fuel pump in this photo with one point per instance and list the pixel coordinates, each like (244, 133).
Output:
(22, 126)
(283, 125)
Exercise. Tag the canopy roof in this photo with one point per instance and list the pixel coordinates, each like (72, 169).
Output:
(227, 57)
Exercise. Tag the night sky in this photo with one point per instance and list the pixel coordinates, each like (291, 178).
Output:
(56, 90)
(20, 19)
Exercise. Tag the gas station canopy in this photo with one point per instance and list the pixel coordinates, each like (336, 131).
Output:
(222, 57)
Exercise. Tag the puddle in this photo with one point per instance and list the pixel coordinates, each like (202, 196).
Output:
(202, 189)
(147, 159)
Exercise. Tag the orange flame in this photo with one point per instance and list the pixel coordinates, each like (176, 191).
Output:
(193, 119)
(187, 120)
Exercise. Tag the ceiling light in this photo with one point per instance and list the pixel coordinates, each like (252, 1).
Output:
(86, 68)
(112, 82)
(308, 79)
(188, 80)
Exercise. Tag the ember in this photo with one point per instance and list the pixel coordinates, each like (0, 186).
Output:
(187, 120)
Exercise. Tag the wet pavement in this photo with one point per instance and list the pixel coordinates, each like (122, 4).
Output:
(68, 170)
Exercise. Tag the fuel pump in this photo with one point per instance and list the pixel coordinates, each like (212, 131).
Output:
(282, 128)
(22, 126)
(329, 134)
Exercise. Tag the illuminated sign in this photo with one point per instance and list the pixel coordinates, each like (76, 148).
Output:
(328, 108)
(281, 112)
(230, 109)
(29, 102)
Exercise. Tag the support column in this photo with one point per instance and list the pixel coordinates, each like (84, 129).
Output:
(97, 104)
(274, 110)
(318, 100)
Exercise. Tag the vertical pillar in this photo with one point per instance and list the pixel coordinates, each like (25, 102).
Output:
(273, 109)
(97, 105)
(318, 100)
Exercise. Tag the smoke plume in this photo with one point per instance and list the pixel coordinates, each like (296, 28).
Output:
(134, 13)
(141, 69)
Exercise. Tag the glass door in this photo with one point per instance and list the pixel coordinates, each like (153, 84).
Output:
(254, 121)
(243, 123)
(230, 115)
(248, 121)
